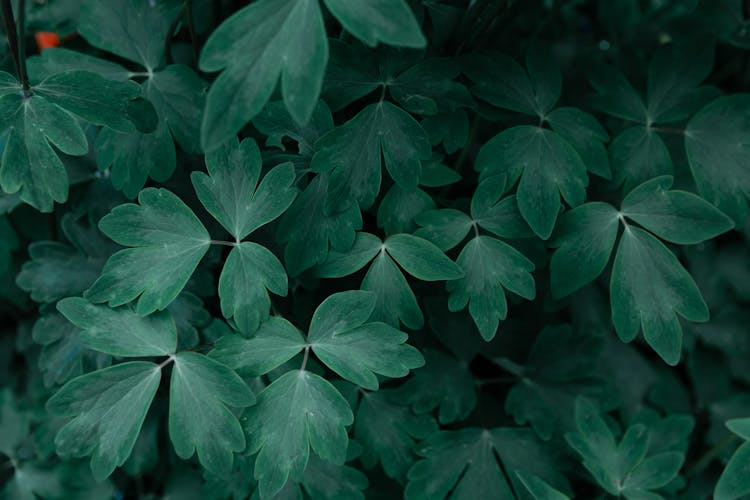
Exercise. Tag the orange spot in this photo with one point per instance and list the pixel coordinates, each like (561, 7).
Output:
(46, 39)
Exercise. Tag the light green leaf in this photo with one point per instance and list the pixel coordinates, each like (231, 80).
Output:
(108, 407)
(584, 239)
(386, 21)
(548, 167)
(735, 479)
(444, 383)
(53, 60)
(307, 228)
(388, 433)
(231, 192)
(718, 153)
(648, 278)
(676, 216)
(249, 273)
(121, 332)
(199, 420)
(357, 350)
(132, 29)
(352, 152)
(421, 259)
(168, 241)
(287, 40)
(273, 344)
(395, 299)
(539, 489)
(490, 267)
(298, 411)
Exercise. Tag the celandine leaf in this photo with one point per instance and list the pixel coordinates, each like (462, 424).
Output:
(167, 242)
(121, 332)
(352, 152)
(298, 411)
(357, 350)
(108, 407)
(199, 420)
(234, 193)
(718, 153)
(287, 41)
(548, 167)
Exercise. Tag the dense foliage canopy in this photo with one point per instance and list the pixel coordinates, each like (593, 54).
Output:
(347, 249)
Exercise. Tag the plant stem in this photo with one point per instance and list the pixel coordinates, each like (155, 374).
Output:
(225, 243)
(304, 359)
(16, 40)
(711, 455)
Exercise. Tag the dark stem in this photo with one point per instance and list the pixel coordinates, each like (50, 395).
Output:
(171, 33)
(17, 43)
(191, 29)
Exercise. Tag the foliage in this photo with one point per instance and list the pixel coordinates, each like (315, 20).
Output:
(348, 249)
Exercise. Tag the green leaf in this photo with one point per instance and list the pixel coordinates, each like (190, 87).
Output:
(307, 228)
(638, 154)
(55, 60)
(168, 241)
(548, 167)
(130, 29)
(231, 191)
(718, 153)
(199, 421)
(490, 267)
(108, 407)
(399, 207)
(539, 489)
(628, 468)
(120, 332)
(366, 247)
(352, 73)
(273, 344)
(676, 216)
(388, 433)
(479, 463)
(276, 123)
(178, 95)
(29, 165)
(287, 41)
(325, 480)
(298, 411)
(444, 383)
(562, 365)
(445, 228)
(249, 273)
(674, 74)
(386, 21)
(452, 129)
(133, 157)
(735, 479)
(395, 299)
(357, 350)
(421, 259)
(427, 88)
(584, 239)
(502, 82)
(501, 218)
(615, 95)
(648, 278)
(117, 105)
(352, 152)
(586, 135)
